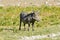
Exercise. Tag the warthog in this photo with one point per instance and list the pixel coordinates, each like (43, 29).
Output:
(28, 19)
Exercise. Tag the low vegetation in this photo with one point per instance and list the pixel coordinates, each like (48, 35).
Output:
(50, 15)
(9, 21)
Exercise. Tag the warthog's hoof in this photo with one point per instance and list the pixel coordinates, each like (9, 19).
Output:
(19, 28)
(32, 29)
(28, 29)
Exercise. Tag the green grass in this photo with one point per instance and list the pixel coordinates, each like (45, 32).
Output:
(50, 15)
(9, 16)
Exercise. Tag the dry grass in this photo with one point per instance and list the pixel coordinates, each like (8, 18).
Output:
(24, 3)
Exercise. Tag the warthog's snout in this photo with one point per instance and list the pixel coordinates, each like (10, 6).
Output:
(37, 19)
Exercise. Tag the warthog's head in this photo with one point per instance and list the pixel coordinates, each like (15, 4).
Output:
(36, 16)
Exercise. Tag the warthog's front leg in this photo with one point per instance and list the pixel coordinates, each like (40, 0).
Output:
(20, 25)
(33, 26)
(24, 27)
(28, 26)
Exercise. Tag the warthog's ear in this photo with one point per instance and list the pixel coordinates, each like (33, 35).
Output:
(33, 11)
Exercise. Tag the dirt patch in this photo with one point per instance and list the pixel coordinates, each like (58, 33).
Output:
(52, 35)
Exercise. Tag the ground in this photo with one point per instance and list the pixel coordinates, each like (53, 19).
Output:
(13, 33)
(49, 23)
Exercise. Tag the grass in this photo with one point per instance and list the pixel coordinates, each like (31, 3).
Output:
(12, 33)
(50, 15)
(9, 22)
